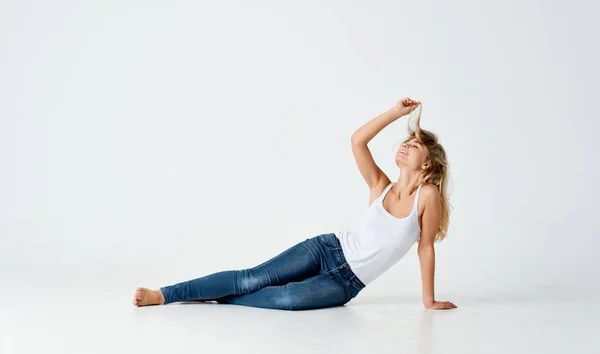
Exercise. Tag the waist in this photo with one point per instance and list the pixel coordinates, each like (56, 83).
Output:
(343, 268)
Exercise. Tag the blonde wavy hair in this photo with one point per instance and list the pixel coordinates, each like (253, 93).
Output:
(437, 172)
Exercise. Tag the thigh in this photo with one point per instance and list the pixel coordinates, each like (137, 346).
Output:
(301, 261)
(318, 291)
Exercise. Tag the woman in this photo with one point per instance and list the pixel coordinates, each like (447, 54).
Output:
(331, 269)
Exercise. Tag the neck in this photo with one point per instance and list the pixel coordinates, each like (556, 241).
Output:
(407, 182)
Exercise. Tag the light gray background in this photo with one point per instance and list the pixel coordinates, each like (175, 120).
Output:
(144, 143)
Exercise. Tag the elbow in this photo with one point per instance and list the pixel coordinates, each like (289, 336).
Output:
(357, 140)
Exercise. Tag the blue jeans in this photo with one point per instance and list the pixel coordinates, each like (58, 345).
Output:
(309, 275)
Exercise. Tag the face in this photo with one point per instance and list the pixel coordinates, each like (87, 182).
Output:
(412, 154)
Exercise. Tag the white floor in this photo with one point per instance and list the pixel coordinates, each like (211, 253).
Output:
(53, 317)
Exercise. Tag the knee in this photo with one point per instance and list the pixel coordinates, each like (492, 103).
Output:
(245, 281)
(248, 281)
(290, 299)
(285, 301)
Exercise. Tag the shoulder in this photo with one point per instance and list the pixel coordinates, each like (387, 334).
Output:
(429, 192)
(429, 197)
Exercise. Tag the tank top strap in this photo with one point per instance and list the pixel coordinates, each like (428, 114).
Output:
(416, 203)
(386, 189)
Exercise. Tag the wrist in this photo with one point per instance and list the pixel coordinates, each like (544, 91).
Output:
(394, 113)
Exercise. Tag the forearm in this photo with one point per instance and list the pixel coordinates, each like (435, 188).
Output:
(427, 260)
(367, 131)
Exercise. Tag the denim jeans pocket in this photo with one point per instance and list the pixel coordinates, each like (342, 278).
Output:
(328, 240)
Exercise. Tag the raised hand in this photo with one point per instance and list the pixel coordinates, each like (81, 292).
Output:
(405, 106)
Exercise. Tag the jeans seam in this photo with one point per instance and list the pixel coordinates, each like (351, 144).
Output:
(334, 275)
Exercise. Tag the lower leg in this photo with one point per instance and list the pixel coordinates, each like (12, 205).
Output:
(145, 297)
(211, 286)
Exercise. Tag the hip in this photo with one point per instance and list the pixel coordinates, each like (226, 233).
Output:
(339, 268)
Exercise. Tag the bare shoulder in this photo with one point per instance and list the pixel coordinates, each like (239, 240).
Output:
(430, 196)
(430, 192)
(376, 191)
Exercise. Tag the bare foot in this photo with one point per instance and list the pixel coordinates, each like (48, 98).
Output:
(144, 297)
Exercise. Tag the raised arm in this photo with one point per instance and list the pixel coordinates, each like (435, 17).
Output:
(371, 173)
(369, 170)
(426, 251)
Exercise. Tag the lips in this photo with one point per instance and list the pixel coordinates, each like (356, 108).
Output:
(402, 152)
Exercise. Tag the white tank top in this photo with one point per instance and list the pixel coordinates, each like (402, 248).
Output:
(381, 239)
